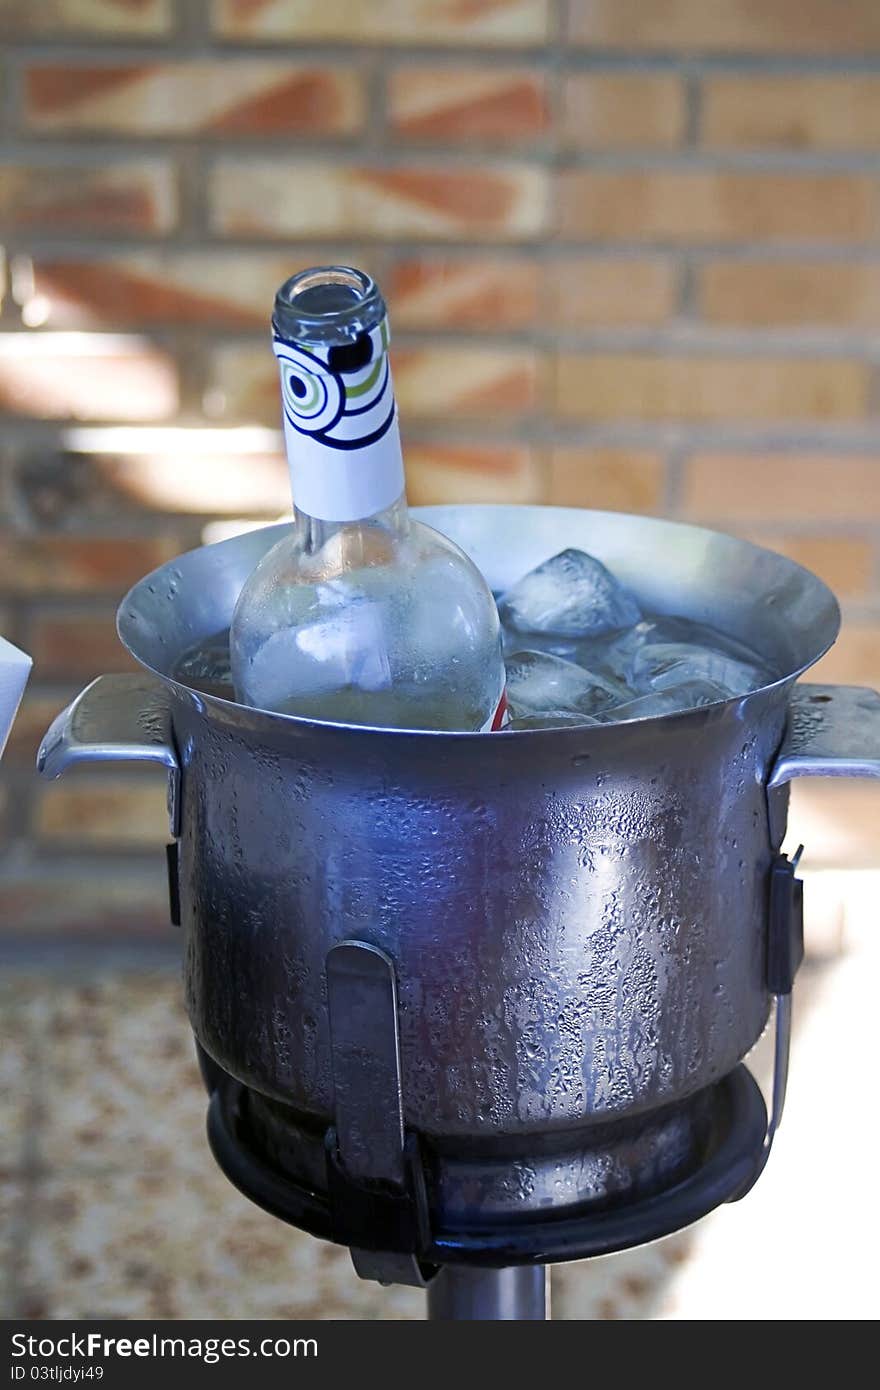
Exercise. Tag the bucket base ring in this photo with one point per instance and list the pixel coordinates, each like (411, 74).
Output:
(733, 1148)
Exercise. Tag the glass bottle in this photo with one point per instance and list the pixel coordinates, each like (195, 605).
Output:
(359, 615)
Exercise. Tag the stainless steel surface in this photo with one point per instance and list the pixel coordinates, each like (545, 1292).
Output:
(490, 1295)
(577, 923)
(577, 917)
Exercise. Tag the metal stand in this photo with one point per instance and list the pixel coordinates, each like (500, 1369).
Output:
(518, 1294)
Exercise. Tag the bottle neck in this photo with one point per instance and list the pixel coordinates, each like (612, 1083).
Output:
(340, 428)
(360, 542)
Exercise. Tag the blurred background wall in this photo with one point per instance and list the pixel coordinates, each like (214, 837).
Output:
(632, 253)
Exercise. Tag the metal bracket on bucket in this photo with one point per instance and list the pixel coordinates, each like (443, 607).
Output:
(374, 1169)
(785, 951)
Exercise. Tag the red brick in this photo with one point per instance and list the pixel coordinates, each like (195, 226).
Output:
(85, 901)
(782, 487)
(100, 19)
(466, 381)
(637, 386)
(54, 377)
(501, 105)
(791, 292)
(206, 287)
(487, 293)
(615, 110)
(244, 385)
(91, 810)
(229, 97)
(490, 23)
(855, 657)
(437, 473)
(79, 564)
(845, 561)
(202, 482)
(70, 644)
(593, 291)
(111, 199)
(725, 206)
(283, 199)
(792, 112)
(87, 487)
(734, 26)
(619, 480)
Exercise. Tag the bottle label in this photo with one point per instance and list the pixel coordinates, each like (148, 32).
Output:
(500, 718)
(340, 429)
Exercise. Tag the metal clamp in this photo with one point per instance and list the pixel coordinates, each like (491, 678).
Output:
(374, 1171)
(785, 951)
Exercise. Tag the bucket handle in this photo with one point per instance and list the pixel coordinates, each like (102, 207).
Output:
(832, 731)
(120, 718)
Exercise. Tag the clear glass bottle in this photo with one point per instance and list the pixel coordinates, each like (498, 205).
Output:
(359, 615)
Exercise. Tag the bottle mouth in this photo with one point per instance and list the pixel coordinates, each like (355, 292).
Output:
(328, 304)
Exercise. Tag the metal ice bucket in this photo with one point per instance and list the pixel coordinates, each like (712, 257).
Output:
(577, 918)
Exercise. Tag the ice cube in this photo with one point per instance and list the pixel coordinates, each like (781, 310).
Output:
(618, 653)
(538, 683)
(566, 647)
(660, 665)
(552, 719)
(595, 654)
(572, 595)
(689, 694)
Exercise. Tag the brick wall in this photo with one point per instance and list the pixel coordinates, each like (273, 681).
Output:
(632, 249)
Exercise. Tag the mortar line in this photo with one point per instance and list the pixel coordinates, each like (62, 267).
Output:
(685, 336)
(673, 494)
(693, 97)
(792, 435)
(314, 148)
(191, 38)
(78, 246)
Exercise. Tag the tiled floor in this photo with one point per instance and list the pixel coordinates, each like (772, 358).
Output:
(110, 1204)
